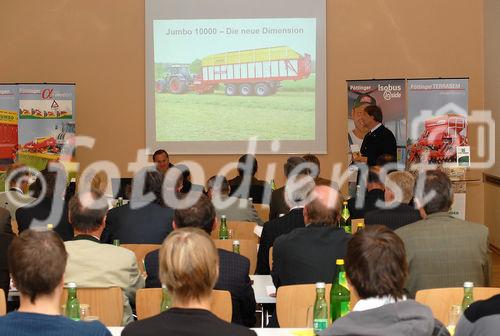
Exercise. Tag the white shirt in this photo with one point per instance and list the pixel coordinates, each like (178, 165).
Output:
(373, 129)
(375, 302)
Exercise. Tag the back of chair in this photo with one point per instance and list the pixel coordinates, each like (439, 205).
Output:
(440, 300)
(3, 303)
(263, 211)
(240, 229)
(147, 303)
(105, 303)
(294, 304)
(248, 248)
(141, 250)
(354, 224)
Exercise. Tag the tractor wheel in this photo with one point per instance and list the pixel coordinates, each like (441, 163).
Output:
(177, 85)
(262, 89)
(246, 89)
(231, 89)
(160, 86)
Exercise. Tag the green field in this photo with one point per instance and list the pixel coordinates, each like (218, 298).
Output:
(287, 115)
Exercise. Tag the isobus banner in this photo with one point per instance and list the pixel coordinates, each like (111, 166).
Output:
(8, 124)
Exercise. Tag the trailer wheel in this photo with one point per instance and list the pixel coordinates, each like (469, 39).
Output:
(262, 89)
(160, 86)
(246, 89)
(231, 89)
(177, 85)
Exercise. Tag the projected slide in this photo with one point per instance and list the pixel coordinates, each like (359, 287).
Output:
(233, 79)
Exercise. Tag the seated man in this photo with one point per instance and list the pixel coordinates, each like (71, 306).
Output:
(162, 161)
(374, 193)
(443, 251)
(398, 194)
(234, 208)
(141, 221)
(37, 261)
(296, 199)
(5, 240)
(92, 264)
(481, 318)
(246, 185)
(313, 159)
(308, 255)
(376, 269)
(233, 268)
(16, 194)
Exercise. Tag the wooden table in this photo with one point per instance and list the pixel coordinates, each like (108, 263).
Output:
(116, 331)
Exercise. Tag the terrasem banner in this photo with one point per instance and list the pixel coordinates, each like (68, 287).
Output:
(8, 124)
(46, 123)
(437, 115)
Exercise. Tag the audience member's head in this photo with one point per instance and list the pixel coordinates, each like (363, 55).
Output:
(87, 212)
(313, 159)
(438, 183)
(291, 166)
(46, 184)
(218, 186)
(372, 116)
(324, 207)
(298, 190)
(18, 176)
(189, 247)
(247, 165)
(384, 159)
(99, 181)
(399, 186)
(376, 263)
(161, 160)
(199, 215)
(37, 261)
(373, 180)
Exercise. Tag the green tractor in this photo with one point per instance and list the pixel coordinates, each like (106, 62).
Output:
(176, 79)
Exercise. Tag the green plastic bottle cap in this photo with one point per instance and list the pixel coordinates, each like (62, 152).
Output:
(468, 284)
(339, 262)
(320, 285)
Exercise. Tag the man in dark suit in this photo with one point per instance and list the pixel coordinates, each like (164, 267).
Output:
(293, 166)
(5, 240)
(374, 195)
(399, 187)
(233, 268)
(50, 206)
(246, 185)
(308, 255)
(162, 161)
(5, 221)
(285, 224)
(378, 141)
(141, 221)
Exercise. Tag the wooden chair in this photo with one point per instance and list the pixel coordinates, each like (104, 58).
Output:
(15, 227)
(263, 211)
(141, 250)
(106, 303)
(241, 230)
(3, 303)
(248, 248)
(147, 303)
(440, 300)
(354, 224)
(293, 302)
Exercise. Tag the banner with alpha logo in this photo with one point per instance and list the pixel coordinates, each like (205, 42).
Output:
(46, 123)
(8, 124)
(437, 115)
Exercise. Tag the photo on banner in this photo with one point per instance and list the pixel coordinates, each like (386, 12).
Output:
(8, 125)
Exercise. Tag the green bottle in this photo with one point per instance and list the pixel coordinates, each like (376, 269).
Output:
(166, 301)
(119, 203)
(468, 296)
(72, 303)
(116, 242)
(345, 218)
(223, 231)
(236, 246)
(320, 318)
(339, 294)
(273, 185)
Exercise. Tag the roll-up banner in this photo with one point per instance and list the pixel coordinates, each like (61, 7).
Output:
(9, 105)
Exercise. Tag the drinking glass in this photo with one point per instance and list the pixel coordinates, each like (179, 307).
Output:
(453, 317)
(84, 311)
(310, 317)
(230, 233)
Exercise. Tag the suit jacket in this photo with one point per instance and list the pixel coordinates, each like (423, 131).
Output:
(5, 225)
(185, 322)
(272, 230)
(394, 218)
(5, 240)
(149, 224)
(42, 211)
(259, 191)
(233, 277)
(236, 209)
(443, 251)
(278, 204)
(379, 142)
(13, 199)
(307, 255)
(371, 198)
(92, 264)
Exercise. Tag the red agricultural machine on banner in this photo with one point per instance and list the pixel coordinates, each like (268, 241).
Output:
(249, 72)
(440, 138)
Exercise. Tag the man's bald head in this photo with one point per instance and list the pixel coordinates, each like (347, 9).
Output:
(324, 208)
